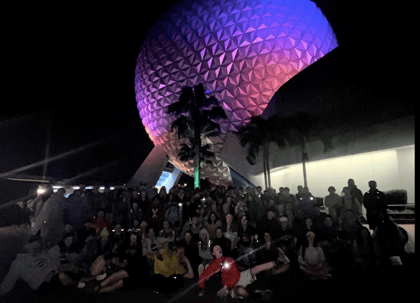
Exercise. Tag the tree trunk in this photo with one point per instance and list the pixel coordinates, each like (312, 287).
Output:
(304, 158)
(266, 167)
(265, 171)
(268, 172)
(197, 165)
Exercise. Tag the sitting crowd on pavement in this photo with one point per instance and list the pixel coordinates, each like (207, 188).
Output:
(130, 237)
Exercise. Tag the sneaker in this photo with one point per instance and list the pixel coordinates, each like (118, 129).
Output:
(282, 258)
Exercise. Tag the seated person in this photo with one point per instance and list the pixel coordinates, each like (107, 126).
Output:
(44, 276)
(268, 222)
(222, 241)
(149, 240)
(69, 252)
(130, 250)
(287, 239)
(231, 231)
(234, 282)
(312, 259)
(104, 245)
(167, 232)
(191, 249)
(169, 272)
(193, 225)
(116, 238)
(133, 275)
(268, 251)
(204, 250)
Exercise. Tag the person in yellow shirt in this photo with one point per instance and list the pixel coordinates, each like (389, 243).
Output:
(171, 267)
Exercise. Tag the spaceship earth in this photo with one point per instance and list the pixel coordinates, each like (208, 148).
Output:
(242, 51)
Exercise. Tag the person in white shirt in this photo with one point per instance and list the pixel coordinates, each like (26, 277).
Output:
(312, 260)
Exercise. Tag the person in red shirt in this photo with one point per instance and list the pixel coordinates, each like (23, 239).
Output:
(226, 265)
(234, 282)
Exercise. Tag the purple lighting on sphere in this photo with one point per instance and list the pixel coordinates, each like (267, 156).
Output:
(241, 51)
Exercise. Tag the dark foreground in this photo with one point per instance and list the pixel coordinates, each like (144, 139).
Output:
(395, 283)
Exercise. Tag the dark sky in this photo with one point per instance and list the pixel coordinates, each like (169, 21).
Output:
(72, 68)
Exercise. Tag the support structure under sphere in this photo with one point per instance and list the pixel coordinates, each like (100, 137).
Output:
(241, 51)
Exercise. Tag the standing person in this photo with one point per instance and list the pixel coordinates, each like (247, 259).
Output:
(96, 200)
(299, 193)
(76, 204)
(306, 203)
(374, 202)
(333, 203)
(350, 202)
(354, 191)
(50, 220)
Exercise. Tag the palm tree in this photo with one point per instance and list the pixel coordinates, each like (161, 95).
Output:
(196, 115)
(258, 134)
(302, 126)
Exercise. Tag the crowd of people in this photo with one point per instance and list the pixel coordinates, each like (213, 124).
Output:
(128, 238)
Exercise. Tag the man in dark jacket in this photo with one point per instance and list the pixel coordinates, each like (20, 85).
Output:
(374, 201)
(354, 191)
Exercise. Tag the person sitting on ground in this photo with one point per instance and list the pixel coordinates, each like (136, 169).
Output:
(363, 249)
(131, 249)
(167, 232)
(223, 242)
(268, 251)
(389, 240)
(193, 225)
(134, 275)
(38, 268)
(268, 222)
(155, 214)
(287, 236)
(99, 221)
(246, 237)
(116, 238)
(191, 249)
(204, 250)
(104, 245)
(69, 252)
(169, 272)
(312, 260)
(231, 233)
(212, 224)
(149, 241)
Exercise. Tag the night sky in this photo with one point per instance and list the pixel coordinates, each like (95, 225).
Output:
(69, 74)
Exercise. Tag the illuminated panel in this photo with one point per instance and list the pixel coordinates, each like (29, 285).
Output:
(242, 51)
(382, 166)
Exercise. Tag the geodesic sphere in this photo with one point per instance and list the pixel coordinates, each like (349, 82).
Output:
(241, 51)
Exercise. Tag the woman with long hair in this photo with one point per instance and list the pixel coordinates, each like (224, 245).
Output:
(312, 260)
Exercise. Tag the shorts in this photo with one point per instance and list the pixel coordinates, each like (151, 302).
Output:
(245, 279)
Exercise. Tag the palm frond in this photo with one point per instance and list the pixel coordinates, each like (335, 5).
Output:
(183, 127)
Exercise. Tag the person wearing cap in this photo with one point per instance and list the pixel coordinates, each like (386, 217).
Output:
(287, 235)
(312, 260)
